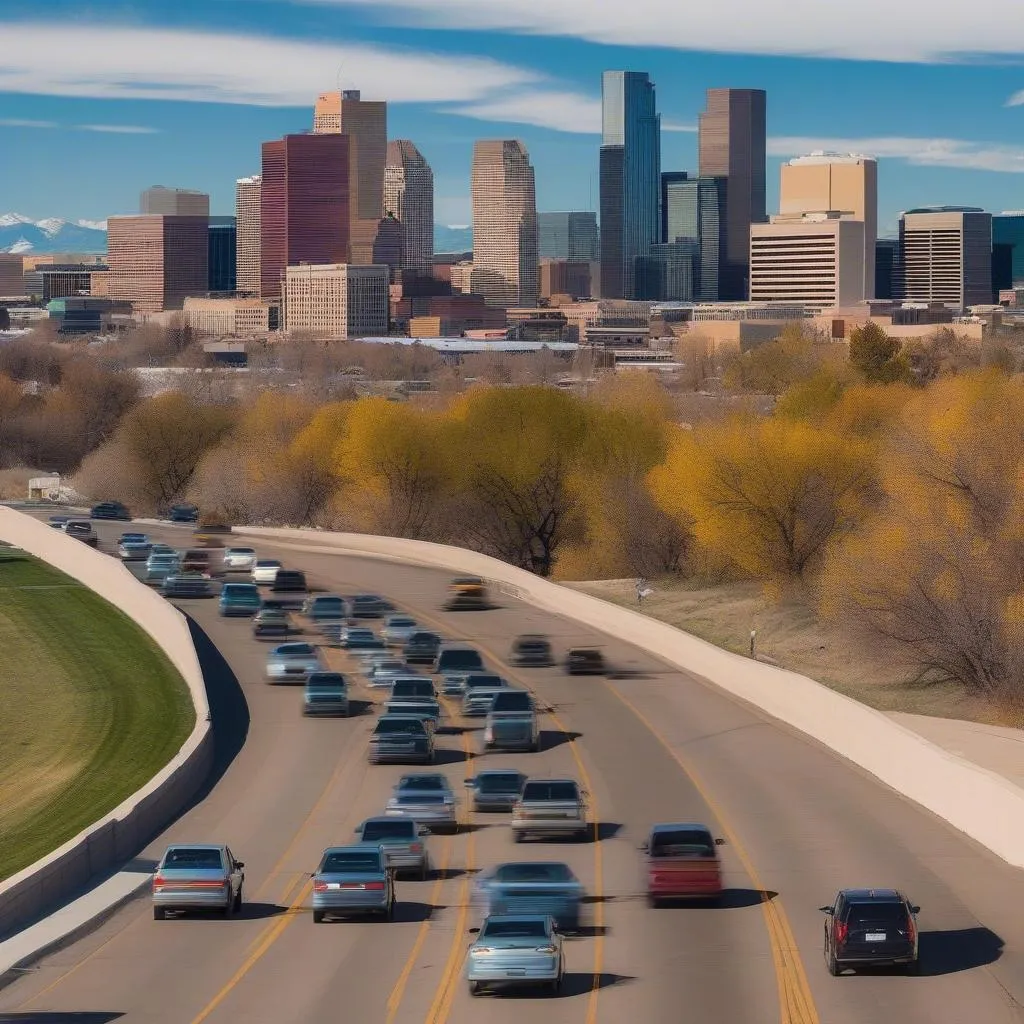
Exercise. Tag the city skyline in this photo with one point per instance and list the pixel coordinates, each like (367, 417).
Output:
(448, 87)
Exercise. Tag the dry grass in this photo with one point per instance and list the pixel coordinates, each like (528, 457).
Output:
(790, 635)
(14, 482)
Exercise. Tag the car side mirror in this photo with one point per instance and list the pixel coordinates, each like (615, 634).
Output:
(915, 910)
(423, 831)
(825, 910)
(645, 847)
(240, 864)
(719, 841)
(474, 931)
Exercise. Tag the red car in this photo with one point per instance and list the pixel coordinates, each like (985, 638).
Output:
(682, 863)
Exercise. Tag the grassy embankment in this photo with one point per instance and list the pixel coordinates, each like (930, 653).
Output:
(90, 709)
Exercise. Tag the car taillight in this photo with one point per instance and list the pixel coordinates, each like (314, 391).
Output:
(319, 887)
(375, 886)
(842, 930)
(416, 847)
(911, 927)
(159, 881)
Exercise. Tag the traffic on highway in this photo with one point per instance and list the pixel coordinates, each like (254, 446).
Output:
(435, 804)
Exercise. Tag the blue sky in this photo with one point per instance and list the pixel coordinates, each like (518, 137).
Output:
(99, 101)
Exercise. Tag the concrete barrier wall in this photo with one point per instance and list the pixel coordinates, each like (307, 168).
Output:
(984, 805)
(124, 831)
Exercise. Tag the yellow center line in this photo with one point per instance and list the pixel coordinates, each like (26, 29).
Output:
(796, 1003)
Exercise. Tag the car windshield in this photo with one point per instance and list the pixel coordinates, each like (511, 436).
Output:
(413, 688)
(514, 930)
(359, 634)
(531, 644)
(324, 603)
(499, 783)
(240, 551)
(192, 858)
(683, 842)
(455, 660)
(437, 783)
(326, 680)
(512, 700)
(401, 622)
(272, 613)
(161, 558)
(534, 873)
(483, 680)
(296, 651)
(240, 590)
(389, 828)
(268, 563)
(353, 862)
(400, 725)
(550, 791)
(424, 638)
(891, 915)
(421, 796)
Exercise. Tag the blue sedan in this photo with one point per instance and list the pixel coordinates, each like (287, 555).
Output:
(353, 880)
(532, 887)
(516, 950)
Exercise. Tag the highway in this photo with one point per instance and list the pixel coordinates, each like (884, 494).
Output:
(653, 745)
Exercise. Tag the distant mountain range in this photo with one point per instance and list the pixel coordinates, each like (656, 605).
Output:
(24, 236)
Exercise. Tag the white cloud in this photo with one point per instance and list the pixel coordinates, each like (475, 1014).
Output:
(118, 129)
(17, 122)
(906, 31)
(95, 225)
(150, 63)
(975, 156)
(561, 111)
(672, 126)
(1016, 100)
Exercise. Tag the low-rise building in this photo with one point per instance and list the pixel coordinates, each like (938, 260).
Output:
(337, 300)
(236, 317)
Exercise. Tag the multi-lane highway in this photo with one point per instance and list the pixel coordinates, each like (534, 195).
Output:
(654, 745)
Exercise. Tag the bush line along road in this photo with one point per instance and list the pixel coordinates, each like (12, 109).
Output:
(655, 745)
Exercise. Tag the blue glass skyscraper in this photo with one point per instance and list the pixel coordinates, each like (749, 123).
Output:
(630, 178)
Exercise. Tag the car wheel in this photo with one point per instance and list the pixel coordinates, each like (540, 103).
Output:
(424, 872)
(914, 967)
(238, 901)
(833, 965)
(474, 988)
(159, 913)
(517, 837)
(389, 911)
(653, 902)
(318, 917)
(556, 986)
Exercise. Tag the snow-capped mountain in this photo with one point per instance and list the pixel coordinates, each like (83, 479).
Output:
(22, 235)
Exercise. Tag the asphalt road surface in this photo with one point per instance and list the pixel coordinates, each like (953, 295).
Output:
(652, 744)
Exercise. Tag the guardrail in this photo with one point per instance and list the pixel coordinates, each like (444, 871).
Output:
(119, 835)
(982, 804)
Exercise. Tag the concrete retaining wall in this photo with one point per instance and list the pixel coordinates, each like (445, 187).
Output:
(984, 805)
(122, 833)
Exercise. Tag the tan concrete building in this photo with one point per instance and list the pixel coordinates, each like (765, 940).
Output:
(247, 237)
(505, 240)
(239, 317)
(461, 277)
(155, 261)
(833, 181)
(337, 300)
(174, 202)
(817, 260)
(409, 196)
(565, 277)
(99, 284)
(365, 122)
(12, 278)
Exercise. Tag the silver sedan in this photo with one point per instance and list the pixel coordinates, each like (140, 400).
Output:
(293, 662)
(194, 876)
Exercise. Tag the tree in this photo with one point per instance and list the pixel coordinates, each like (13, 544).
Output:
(769, 495)
(775, 366)
(877, 357)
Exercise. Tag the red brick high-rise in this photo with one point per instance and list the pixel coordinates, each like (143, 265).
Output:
(304, 205)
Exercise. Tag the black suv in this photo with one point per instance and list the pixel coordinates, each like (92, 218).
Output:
(532, 651)
(110, 510)
(421, 648)
(585, 661)
(183, 514)
(871, 928)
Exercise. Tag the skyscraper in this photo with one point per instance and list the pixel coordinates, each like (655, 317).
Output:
(846, 184)
(409, 196)
(304, 205)
(732, 145)
(568, 236)
(504, 224)
(365, 122)
(1008, 229)
(247, 215)
(630, 178)
(693, 210)
(223, 254)
(174, 202)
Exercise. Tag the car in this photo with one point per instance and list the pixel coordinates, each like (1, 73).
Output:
(871, 928)
(433, 807)
(198, 560)
(198, 876)
(211, 531)
(421, 648)
(289, 581)
(426, 710)
(293, 662)
(271, 621)
(511, 722)
(382, 674)
(369, 606)
(239, 559)
(132, 536)
(110, 510)
(549, 807)
(496, 789)
(682, 862)
(58, 522)
(423, 782)
(326, 694)
(184, 513)
(585, 661)
(478, 691)
(403, 843)
(187, 584)
(264, 572)
(466, 593)
(239, 599)
(134, 551)
(325, 608)
(516, 950)
(81, 529)
(163, 549)
(353, 880)
(160, 565)
(398, 629)
(457, 658)
(401, 739)
(531, 887)
(354, 638)
(412, 688)
(531, 650)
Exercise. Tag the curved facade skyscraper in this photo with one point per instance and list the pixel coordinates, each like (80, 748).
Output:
(409, 197)
(630, 178)
(505, 260)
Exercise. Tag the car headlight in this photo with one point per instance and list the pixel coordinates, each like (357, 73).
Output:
(482, 950)
(546, 949)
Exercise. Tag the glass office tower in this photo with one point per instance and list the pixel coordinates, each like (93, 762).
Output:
(693, 210)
